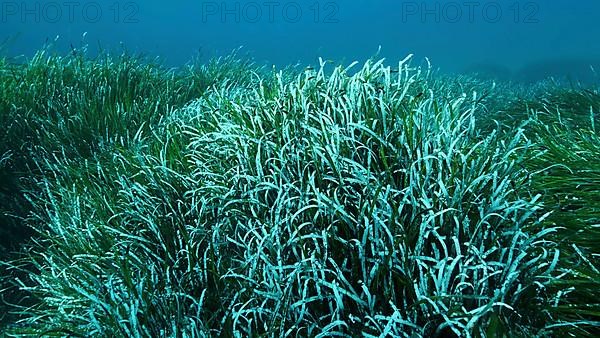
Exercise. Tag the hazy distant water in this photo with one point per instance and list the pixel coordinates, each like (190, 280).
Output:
(503, 38)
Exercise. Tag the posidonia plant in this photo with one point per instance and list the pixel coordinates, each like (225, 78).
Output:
(568, 149)
(360, 207)
(325, 203)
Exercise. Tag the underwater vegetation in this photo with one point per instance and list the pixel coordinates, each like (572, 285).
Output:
(489, 71)
(565, 70)
(226, 199)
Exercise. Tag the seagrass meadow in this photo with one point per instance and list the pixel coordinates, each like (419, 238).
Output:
(226, 199)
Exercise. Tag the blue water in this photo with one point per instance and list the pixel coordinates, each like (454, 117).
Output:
(512, 39)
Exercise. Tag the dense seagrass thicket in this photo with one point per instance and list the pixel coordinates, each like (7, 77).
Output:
(569, 174)
(371, 206)
(317, 205)
(76, 106)
(226, 200)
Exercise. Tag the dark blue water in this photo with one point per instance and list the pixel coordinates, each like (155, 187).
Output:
(505, 39)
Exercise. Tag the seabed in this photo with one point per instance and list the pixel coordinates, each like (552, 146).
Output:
(226, 199)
